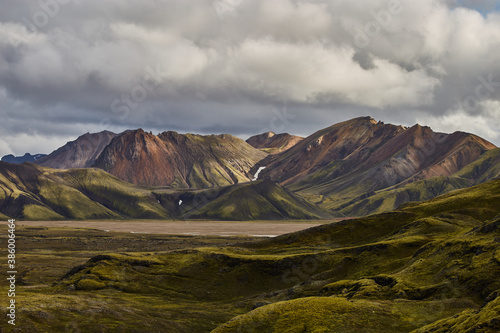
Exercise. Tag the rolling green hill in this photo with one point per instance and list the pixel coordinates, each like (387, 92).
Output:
(259, 200)
(31, 192)
(427, 267)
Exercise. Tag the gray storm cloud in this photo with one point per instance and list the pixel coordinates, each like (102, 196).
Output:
(243, 66)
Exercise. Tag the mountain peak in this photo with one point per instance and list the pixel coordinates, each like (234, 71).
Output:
(178, 160)
(273, 143)
(365, 119)
(80, 153)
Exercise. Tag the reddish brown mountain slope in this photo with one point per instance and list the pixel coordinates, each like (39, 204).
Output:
(350, 141)
(274, 143)
(359, 156)
(180, 160)
(80, 153)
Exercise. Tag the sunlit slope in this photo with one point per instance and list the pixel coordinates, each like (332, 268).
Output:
(36, 193)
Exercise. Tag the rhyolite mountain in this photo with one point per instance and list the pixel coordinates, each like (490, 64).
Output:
(21, 159)
(485, 168)
(352, 160)
(179, 160)
(80, 153)
(273, 143)
(356, 167)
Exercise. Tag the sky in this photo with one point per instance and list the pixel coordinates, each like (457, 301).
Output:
(244, 67)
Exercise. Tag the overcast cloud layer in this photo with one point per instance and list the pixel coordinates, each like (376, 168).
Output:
(244, 66)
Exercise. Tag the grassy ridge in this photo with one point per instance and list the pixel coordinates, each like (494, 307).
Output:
(259, 200)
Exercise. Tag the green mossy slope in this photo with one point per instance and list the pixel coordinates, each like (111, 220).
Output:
(259, 200)
(32, 192)
(428, 267)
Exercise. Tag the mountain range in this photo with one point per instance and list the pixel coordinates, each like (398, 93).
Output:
(354, 168)
(21, 159)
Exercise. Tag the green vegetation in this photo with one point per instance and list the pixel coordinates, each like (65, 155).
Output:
(427, 267)
(47, 254)
(259, 200)
(31, 192)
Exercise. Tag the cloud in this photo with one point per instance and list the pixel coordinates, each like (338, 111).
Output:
(227, 65)
(484, 124)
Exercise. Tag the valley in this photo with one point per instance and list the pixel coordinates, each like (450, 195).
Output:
(204, 228)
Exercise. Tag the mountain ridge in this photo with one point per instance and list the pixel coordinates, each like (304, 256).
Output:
(80, 153)
(179, 160)
(342, 168)
(21, 159)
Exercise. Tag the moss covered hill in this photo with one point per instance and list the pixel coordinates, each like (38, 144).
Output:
(179, 160)
(259, 200)
(428, 267)
(32, 192)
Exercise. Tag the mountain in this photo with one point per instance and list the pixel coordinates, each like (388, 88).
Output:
(351, 160)
(179, 160)
(485, 168)
(273, 143)
(259, 200)
(21, 159)
(80, 153)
